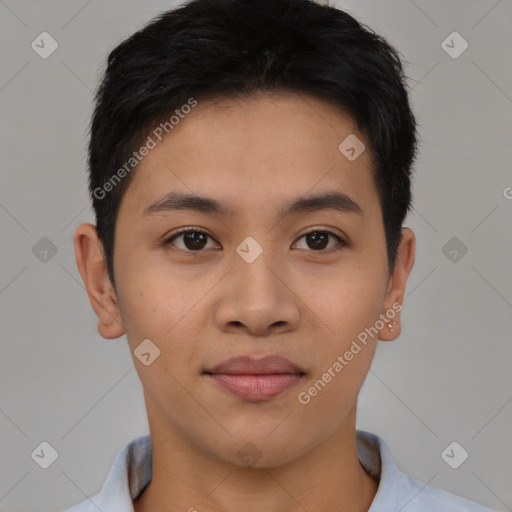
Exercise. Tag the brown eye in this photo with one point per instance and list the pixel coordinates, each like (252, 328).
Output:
(192, 240)
(319, 240)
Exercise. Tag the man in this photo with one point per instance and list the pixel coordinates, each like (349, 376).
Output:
(250, 172)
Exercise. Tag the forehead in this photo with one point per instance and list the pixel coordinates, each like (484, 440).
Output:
(255, 151)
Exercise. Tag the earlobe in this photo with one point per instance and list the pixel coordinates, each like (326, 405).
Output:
(396, 289)
(93, 270)
(391, 329)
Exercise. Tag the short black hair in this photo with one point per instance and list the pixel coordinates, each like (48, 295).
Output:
(206, 49)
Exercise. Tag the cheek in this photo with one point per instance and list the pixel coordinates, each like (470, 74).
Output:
(346, 308)
(347, 300)
(155, 302)
(149, 288)
(329, 396)
(158, 310)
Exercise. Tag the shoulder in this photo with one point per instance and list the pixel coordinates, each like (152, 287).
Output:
(130, 473)
(88, 505)
(419, 497)
(398, 491)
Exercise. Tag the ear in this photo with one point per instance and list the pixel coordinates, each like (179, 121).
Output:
(396, 288)
(92, 266)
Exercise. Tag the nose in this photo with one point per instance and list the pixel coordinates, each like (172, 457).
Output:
(258, 299)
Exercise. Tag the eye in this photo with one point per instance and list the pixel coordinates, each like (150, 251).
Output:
(193, 240)
(318, 240)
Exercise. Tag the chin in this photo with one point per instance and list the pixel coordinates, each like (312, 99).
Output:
(260, 451)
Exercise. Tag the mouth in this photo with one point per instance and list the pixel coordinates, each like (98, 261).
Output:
(255, 379)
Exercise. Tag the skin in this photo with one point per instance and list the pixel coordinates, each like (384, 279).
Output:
(295, 300)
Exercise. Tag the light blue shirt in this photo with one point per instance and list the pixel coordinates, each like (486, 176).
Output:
(132, 471)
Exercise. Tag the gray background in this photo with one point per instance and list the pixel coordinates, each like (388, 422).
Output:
(447, 378)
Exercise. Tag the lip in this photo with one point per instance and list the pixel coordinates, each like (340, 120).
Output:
(256, 379)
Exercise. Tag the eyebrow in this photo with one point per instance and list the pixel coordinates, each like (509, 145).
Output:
(174, 201)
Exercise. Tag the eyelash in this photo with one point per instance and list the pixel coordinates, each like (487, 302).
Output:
(341, 243)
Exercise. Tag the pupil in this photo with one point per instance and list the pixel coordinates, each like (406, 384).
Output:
(191, 242)
(318, 237)
(195, 240)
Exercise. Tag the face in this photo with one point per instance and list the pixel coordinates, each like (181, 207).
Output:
(259, 274)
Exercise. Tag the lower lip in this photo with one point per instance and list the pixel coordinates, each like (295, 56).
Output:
(256, 387)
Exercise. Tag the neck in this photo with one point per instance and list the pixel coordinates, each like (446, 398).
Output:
(328, 477)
